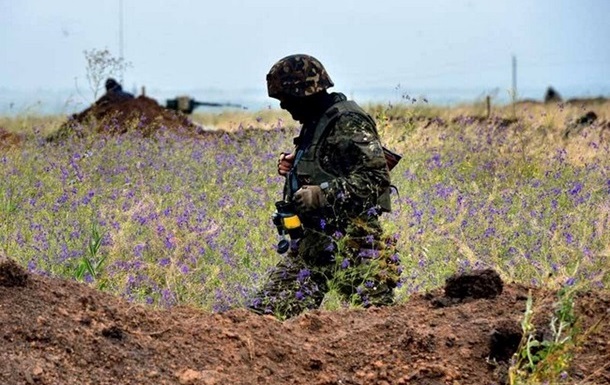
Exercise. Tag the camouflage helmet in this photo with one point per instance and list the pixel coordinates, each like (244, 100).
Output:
(297, 75)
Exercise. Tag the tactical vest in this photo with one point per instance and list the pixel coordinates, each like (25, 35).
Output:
(308, 167)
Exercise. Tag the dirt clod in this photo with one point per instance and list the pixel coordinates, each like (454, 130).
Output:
(11, 274)
(113, 332)
(476, 284)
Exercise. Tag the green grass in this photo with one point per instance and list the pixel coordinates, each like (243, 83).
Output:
(168, 221)
(188, 221)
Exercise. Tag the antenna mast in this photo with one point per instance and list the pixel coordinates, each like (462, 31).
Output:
(514, 90)
(121, 37)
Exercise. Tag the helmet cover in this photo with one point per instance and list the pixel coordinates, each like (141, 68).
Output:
(297, 75)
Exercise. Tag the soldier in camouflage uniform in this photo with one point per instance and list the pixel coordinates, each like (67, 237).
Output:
(339, 181)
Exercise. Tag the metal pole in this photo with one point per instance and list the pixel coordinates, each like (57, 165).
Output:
(514, 91)
(121, 36)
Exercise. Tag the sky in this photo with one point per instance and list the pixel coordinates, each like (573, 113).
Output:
(229, 45)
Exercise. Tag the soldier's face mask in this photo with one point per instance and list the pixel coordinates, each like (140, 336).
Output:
(295, 106)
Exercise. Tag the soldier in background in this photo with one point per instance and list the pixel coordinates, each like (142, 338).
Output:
(339, 182)
(552, 96)
(114, 92)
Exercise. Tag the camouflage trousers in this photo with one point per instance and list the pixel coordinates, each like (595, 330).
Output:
(362, 267)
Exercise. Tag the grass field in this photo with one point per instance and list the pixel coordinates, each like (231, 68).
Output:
(171, 220)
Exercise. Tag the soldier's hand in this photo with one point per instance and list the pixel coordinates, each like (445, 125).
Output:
(309, 197)
(284, 164)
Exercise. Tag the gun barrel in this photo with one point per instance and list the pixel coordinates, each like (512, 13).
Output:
(187, 105)
(207, 104)
(214, 104)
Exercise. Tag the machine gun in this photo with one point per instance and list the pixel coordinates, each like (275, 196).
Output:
(187, 104)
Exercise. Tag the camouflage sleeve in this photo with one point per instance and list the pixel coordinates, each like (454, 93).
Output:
(353, 151)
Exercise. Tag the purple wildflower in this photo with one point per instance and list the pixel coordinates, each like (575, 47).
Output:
(489, 232)
(137, 250)
(170, 242)
(368, 253)
(576, 188)
(303, 274)
(163, 262)
(345, 264)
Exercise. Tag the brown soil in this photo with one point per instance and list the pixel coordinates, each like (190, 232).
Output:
(61, 332)
(117, 116)
(8, 139)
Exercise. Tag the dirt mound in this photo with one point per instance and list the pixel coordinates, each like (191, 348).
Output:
(61, 332)
(8, 139)
(588, 101)
(116, 116)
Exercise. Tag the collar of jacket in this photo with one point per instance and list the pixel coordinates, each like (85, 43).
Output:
(309, 126)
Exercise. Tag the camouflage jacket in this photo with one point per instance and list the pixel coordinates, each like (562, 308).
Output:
(342, 151)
